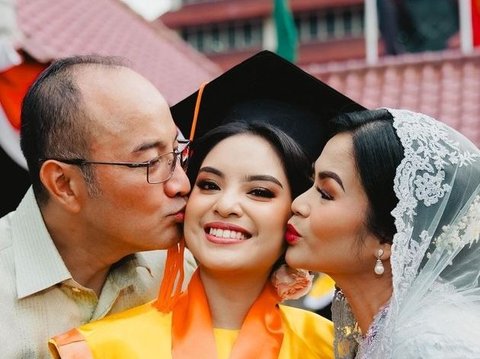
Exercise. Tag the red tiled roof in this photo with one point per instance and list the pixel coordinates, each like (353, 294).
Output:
(58, 28)
(444, 85)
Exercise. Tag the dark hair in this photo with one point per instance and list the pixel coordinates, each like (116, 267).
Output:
(54, 120)
(377, 153)
(295, 161)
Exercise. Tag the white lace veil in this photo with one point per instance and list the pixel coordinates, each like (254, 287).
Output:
(435, 306)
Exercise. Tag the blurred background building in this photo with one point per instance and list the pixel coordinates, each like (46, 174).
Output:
(228, 31)
(416, 54)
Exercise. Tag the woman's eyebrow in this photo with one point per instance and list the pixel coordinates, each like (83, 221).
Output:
(264, 178)
(211, 170)
(329, 174)
(247, 178)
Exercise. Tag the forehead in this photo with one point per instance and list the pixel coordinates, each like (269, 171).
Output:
(115, 89)
(337, 156)
(126, 109)
(249, 152)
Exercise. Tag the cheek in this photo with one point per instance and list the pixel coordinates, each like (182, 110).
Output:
(146, 200)
(191, 218)
(322, 223)
(333, 224)
(197, 206)
(276, 221)
(192, 234)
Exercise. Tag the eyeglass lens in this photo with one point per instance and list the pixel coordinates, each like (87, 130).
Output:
(161, 169)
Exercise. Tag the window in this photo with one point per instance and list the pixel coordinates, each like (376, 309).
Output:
(224, 37)
(316, 26)
(330, 24)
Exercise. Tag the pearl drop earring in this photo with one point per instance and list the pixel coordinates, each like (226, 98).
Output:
(379, 268)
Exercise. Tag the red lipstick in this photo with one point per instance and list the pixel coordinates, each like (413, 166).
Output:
(291, 236)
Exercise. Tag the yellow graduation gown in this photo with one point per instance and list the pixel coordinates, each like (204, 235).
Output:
(144, 332)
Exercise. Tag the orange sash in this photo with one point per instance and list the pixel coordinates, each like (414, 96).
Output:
(260, 336)
(71, 345)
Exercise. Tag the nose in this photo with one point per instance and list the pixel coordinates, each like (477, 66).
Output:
(178, 184)
(300, 205)
(228, 204)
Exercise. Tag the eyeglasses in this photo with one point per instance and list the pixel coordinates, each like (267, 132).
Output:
(159, 169)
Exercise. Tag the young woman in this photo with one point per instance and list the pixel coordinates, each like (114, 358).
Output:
(244, 177)
(393, 217)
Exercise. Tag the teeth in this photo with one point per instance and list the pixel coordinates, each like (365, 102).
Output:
(227, 234)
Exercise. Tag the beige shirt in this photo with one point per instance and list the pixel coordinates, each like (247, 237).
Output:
(38, 296)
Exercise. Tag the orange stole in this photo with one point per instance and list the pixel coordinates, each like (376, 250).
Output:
(70, 344)
(260, 336)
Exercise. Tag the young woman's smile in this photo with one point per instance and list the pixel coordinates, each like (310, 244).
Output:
(229, 221)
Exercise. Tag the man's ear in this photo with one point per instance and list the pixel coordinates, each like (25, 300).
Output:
(64, 182)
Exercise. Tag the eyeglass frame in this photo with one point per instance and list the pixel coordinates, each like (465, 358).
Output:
(183, 155)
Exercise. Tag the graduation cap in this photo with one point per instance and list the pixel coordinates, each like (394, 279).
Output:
(265, 87)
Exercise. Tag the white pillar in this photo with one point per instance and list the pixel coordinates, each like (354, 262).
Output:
(269, 34)
(466, 33)
(371, 31)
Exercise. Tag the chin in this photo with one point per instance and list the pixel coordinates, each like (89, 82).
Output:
(290, 258)
(221, 266)
(293, 258)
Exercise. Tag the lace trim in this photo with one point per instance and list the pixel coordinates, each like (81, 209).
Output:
(465, 232)
(367, 346)
(428, 150)
(349, 342)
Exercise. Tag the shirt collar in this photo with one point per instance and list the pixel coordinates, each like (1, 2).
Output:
(38, 264)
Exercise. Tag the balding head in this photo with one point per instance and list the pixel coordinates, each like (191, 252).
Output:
(54, 119)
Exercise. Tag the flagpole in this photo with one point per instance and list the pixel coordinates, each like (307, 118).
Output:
(466, 34)
(371, 32)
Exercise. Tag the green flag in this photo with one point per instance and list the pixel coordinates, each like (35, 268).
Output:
(286, 30)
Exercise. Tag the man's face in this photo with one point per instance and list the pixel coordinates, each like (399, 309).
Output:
(132, 123)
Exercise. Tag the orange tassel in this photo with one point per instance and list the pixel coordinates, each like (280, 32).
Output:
(196, 111)
(172, 282)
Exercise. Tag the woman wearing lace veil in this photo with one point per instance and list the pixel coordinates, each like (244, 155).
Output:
(394, 218)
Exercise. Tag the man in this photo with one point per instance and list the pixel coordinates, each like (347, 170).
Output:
(105, 163)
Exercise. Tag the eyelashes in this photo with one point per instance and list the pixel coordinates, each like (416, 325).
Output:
(207, 185)
(261, 192)
(324, 194)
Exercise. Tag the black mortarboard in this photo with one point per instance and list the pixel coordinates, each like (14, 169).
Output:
(266, 87)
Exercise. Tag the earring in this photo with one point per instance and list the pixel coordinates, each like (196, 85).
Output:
(379, 268)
